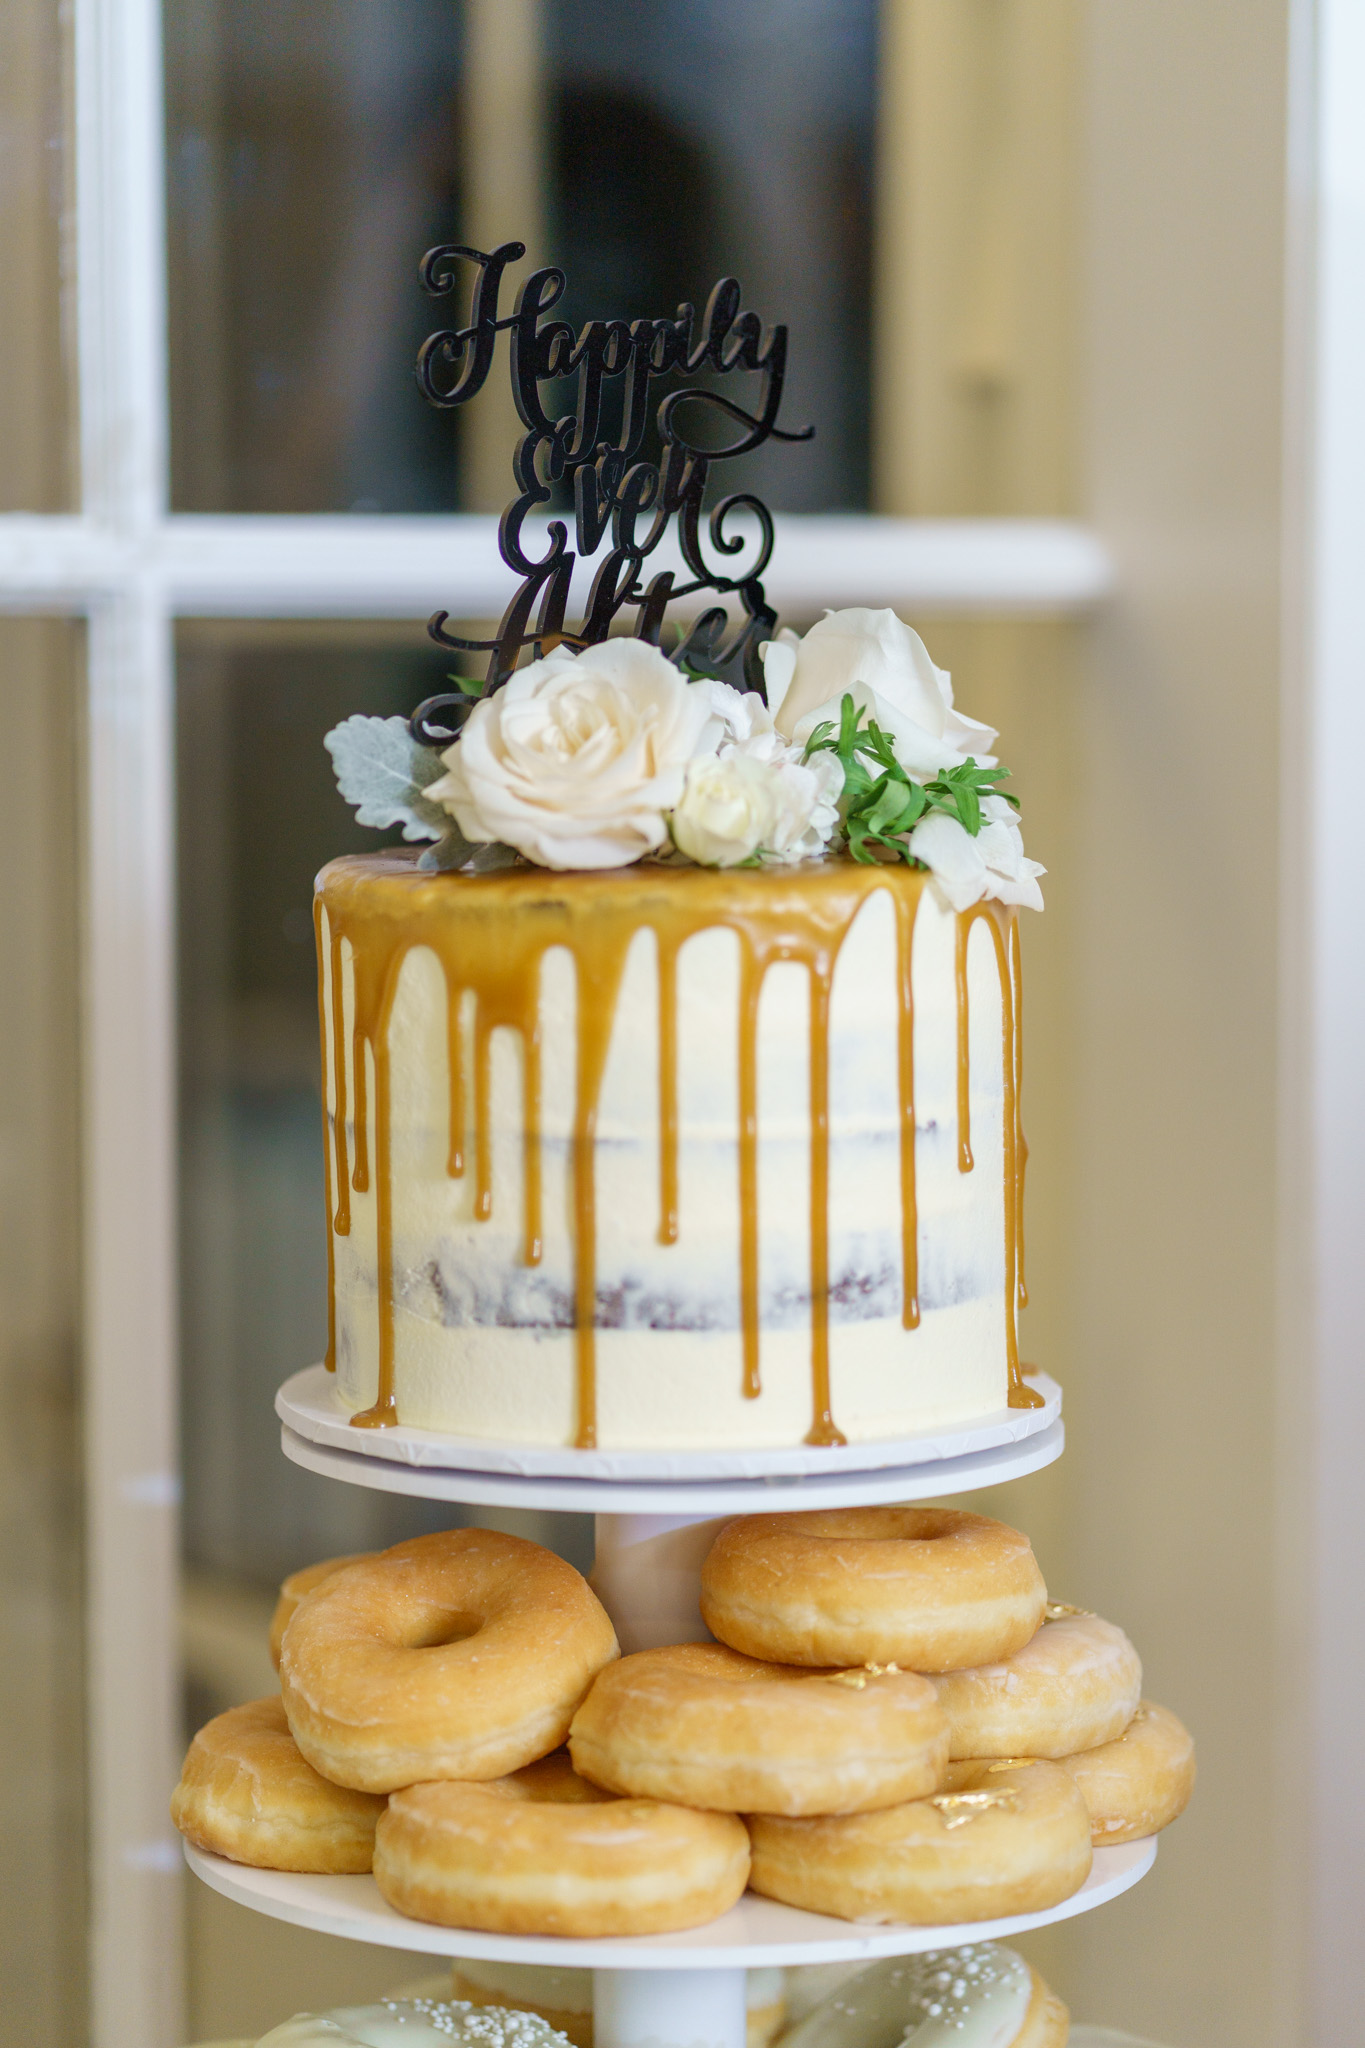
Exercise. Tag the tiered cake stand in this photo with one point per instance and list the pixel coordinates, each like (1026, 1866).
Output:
(656, 1513)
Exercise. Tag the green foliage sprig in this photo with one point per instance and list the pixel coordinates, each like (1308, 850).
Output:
(882, 802)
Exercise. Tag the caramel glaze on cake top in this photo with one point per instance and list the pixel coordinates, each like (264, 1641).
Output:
(382, 906)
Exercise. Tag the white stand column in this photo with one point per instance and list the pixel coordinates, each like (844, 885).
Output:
(668, 2008)
(646, 1575)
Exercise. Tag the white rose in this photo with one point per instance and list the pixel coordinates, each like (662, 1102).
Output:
(876, 659)
(758, 796)
(993, 863)
(576, 760)
(728, 809)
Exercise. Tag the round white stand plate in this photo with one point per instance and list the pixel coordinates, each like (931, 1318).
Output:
(697, 1497)
(756, 1934)
(1003, 1446)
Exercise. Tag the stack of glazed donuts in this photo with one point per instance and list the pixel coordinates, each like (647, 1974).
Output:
(892, 1724)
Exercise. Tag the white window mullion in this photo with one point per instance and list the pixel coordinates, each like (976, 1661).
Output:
(120, 262)
(1321, 1851)
(136, 1997)
(130, 1329)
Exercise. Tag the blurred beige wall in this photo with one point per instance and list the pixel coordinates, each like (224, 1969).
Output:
(1120, 167)
(1172, 1478)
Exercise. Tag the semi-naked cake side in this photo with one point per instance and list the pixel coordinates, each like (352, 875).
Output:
(666, 1157)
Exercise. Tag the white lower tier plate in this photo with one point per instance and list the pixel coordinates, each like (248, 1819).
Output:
(1001, 1446)
(756, 1934)
(696, 1497)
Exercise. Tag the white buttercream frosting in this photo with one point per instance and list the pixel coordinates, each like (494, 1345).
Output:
(974, 1997)
(416, 2023)
(485, 1345)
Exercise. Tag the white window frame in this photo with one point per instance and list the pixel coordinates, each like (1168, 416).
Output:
(129, 568)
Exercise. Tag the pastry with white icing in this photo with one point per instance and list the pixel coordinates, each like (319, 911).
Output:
(981, 1996)
(415, 2023)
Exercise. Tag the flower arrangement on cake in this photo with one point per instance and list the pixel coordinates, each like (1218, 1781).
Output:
(598, 757)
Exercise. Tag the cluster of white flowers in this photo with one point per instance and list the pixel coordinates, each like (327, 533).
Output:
(595, 759)
(592, 760)
(754, 798)
(875, 658)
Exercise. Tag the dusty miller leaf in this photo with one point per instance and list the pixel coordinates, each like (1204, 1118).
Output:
(383, 770)
(455, 851)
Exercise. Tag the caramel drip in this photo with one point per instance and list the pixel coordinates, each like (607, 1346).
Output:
(385, 1410)
(965, 1162)
(810, 932)
(823, 1429)
(331, 1357)
(1020, 1141)
(907, 909)
(600, 960)
(343, 1217)
(382, 907)
(1000, 922)
(750, 989)
(668, 1090)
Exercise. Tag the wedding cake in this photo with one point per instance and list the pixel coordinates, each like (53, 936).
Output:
(673, 1095)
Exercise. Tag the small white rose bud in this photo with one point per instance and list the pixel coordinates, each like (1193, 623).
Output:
(727, 809)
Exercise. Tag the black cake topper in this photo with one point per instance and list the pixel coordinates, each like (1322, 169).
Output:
(611, 484)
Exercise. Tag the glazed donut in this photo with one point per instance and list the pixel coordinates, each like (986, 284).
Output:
(245, 1792)
(1077, 1683)
(1006, 1837)
(296, 1588)
(458, 1655)
(930, 1589)
(545, 1852)
(705, 1726)
(980, 1996)
(1139, 1783)
(413, 2023)
(564, 1997)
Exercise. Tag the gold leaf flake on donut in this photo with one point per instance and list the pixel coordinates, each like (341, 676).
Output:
(1057, 1610)
(957, 1808)
(856, 1680)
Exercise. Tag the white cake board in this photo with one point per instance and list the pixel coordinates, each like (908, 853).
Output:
(700, 1497)
(756, 1934)
(316, 1433)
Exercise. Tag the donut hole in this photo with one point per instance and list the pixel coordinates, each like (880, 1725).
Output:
(882, 1525)
(434, 1628)
(552, 1781)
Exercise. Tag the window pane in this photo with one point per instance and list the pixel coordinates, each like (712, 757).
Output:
(42, 1841)
(317, 147)
(259, 814)
(37, 468)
